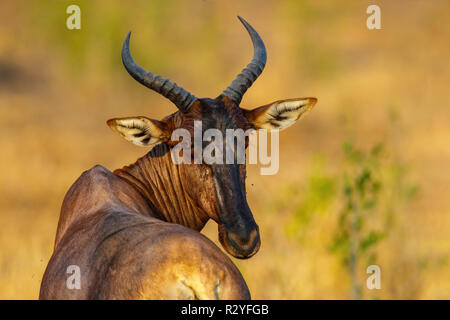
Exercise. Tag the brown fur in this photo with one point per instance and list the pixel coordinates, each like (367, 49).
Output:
(131, 236)
(135, 232)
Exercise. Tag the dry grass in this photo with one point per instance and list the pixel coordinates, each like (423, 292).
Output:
(58, 87)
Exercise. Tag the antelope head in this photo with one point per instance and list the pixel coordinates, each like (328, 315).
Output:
(218, 188)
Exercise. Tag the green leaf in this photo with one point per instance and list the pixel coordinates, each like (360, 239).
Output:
(371, 239)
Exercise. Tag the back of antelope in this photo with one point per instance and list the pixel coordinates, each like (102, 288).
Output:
(135, 233)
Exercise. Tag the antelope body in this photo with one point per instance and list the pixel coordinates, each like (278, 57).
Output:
(135, 232)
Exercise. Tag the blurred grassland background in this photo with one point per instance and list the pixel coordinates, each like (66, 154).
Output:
(364, 177)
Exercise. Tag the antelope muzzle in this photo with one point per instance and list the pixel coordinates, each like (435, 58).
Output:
(239, 245)
(238, 231)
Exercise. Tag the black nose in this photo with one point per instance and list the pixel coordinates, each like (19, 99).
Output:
(242, 246)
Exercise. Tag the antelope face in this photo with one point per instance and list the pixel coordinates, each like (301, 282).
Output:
(225, 179)
(218, 187)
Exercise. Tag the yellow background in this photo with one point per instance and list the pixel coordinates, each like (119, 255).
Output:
(58, 87)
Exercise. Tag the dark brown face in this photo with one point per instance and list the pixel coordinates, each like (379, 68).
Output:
(220, 187)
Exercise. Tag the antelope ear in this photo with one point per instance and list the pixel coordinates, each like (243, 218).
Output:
(141, 131)
(279, 114)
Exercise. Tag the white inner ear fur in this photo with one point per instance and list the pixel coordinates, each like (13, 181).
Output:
(140, 131)
(282, 114)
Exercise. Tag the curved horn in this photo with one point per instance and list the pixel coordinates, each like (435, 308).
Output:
(180, 97)
(248, 75)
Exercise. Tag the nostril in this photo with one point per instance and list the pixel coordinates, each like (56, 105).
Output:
(242, 247)
(245, 241)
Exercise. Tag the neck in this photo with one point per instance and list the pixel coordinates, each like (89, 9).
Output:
(157, 178)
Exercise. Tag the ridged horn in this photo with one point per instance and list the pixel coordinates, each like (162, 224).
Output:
(249, 74)
(179, 96)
